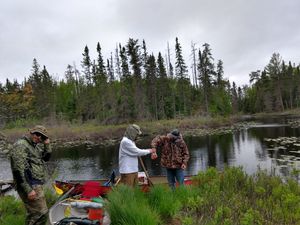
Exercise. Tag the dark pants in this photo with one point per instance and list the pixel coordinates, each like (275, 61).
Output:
(35, 209)
(174, 175)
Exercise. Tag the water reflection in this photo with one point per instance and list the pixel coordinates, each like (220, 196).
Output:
(244, 148)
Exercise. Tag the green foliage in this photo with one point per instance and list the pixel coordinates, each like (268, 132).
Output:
(51, 196)
(129, 206)
(228, 197)
(20, 123)
(87, 93)
(163, 201)
(251, 217)
(232, 197)
(220, 103)
(11, 211)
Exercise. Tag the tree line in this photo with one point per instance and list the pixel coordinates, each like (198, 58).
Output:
(133, 84)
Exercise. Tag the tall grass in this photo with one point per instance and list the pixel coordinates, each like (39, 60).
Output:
(215, 198)
(12, 211)
(128, 206)
(164, 202)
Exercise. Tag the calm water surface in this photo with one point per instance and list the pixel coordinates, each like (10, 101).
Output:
(244, 148)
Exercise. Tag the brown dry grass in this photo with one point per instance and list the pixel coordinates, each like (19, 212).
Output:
(96, 132)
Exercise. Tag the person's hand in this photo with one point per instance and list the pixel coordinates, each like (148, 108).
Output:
(31, 195)
(47, 141)
(153, 156)
(183, 166)
(153, 150)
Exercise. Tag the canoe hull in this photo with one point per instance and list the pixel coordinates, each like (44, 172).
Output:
(64, 210)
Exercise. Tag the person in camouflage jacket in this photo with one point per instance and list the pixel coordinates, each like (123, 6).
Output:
(174, 155)
(27, 156)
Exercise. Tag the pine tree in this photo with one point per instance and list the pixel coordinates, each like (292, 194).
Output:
(206, 71)
(133, 52)
(125, 105)
(124, 63)
(100, 74)
(144, 57)
(87, 65)
(180, 67)
(182, 80)
(151, 85)
(273, 69)
(164, 91)
(219, 74)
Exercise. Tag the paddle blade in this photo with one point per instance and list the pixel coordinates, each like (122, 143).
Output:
(58, 190)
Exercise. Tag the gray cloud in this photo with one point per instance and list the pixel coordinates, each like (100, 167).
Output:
(244, 34)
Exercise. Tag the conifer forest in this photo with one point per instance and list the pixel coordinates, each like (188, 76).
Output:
(133, 84)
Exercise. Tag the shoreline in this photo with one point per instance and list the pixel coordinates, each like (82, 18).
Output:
(63, 135)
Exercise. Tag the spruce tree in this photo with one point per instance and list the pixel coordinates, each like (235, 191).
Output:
(87, 65)
(133, 52)
(206, 71)
(180, 67)
(151, 86)
(273, 69)
(182, 81)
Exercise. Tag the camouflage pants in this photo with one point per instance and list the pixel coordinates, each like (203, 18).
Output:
(35, 209)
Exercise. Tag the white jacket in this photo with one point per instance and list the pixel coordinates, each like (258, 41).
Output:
(128, 156)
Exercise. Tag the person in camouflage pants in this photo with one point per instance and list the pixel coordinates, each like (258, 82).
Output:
(27, 157)
(174, 155)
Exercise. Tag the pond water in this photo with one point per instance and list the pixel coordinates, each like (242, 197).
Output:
(245, 148)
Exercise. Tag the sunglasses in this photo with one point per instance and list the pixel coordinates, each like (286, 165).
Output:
(41, 136)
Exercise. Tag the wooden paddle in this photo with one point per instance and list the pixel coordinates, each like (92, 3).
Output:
(144, 168)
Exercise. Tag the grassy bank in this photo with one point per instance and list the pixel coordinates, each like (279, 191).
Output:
(12, 211)
(93, 131)
(230, 197)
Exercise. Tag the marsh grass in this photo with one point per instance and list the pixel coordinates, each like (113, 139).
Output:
(128, 206)
(12, 211)
(163, 200)
(215, 198)
(236, 198)
(93, 130)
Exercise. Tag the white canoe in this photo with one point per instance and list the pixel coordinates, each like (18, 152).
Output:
(67, 209)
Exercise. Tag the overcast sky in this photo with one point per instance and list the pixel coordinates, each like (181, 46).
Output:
(242, 33)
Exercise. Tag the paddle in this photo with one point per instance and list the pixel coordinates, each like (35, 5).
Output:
(64, 196)
(144, 168)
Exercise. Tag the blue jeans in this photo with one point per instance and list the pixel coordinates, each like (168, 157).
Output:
(173, 174)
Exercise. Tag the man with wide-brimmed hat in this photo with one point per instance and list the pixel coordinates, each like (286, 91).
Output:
(28, 155)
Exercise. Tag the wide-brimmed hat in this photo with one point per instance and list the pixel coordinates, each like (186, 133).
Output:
(39, 129)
